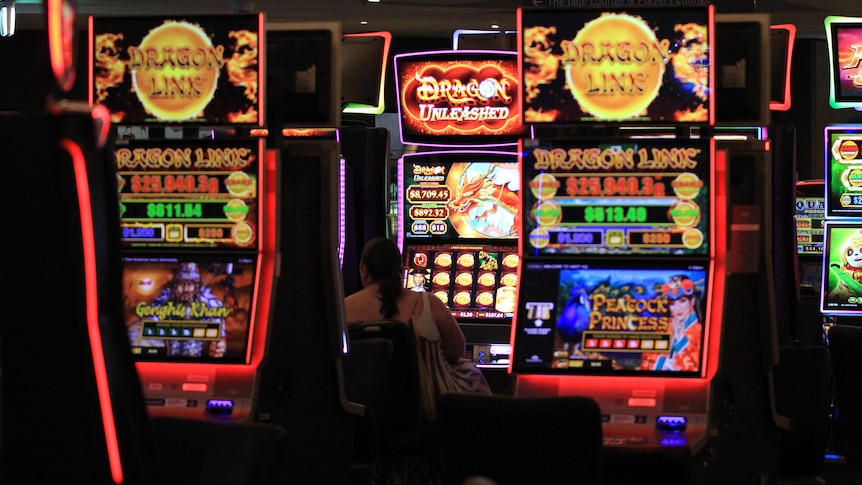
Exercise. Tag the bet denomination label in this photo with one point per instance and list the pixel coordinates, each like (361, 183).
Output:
(843, 171)
(188, 194)
(594, 197)
(202, 69)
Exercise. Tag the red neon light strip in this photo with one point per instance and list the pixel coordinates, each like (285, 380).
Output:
(261, 75)
(91, 61)
(711, 40)
(791, 37)
(87, 231)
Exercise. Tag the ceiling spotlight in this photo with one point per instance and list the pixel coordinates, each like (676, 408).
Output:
(7, 18)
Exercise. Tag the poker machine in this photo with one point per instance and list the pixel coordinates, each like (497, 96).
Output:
(645, 282)
(459, 191)
(196, 204)
(839, 290)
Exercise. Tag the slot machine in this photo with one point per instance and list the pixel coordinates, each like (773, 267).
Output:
(458, 192)
(838, 289)
(195, 198)
(643, 281)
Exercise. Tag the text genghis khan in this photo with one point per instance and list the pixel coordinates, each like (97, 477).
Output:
(195, 310)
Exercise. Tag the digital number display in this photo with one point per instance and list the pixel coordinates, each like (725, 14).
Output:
(635, 197)
(188, 193)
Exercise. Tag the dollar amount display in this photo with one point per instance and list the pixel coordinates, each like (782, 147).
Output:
(438, 212)
(615, 214)
(848, 200)
(655, 238)
(614, 187)
(438, 193)
(174, 184)
(174, 211)
(165, 210)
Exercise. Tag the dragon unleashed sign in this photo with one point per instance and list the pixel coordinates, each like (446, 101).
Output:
(594, 66)
(458, 97)
(200, 70)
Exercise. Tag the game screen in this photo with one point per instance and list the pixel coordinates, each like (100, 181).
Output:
(477, 282)
(645, 197)
(810, 215)
(195, 308)
(841, 291)
(200, 69)
(451, 98)
(187, 193)
(844, 41)
(606, 319)
(585, 66)
(843, 171)
(455, 196)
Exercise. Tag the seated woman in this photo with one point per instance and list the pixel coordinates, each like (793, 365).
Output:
(440, 341)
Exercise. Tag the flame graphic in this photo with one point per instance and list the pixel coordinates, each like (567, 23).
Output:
(242, 65)
(691, 61)
(699, 114)
(542, 66)
(109, 69)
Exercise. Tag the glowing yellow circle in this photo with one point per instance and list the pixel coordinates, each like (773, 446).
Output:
(614, 67)
(178, 75)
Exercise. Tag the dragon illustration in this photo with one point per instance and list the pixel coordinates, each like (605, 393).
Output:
(479, 198)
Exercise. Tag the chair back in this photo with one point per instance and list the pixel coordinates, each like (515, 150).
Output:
(548, 440)
(400, 407)
(366, 379)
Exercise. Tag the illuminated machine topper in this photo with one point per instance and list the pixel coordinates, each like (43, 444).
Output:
(645, 66)
(191, 70)
(843, 171)
(844, 39)
(195, 309)
(476, 281)
(461, 195)
(181, 193)
(647, 197)
(841, 289)
(458, 98)
(597, 320)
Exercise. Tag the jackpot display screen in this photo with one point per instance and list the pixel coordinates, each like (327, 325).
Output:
(844, 41)
(843, 171)
(603, 319)
(809, 216)
(585, 66)
(458, 98)
(452, 196)
(841, 290)
(189, 194)
(645, 197)
(198, 69)
(477, 282)
(188, 309)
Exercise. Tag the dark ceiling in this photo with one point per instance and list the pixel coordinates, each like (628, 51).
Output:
(429, 18)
